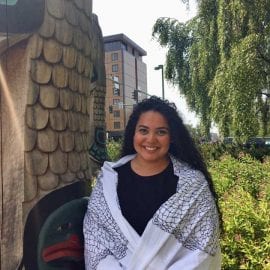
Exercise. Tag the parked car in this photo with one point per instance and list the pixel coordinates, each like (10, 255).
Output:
(255, 142)
(228, 140)
(251, 142)
(267, 141)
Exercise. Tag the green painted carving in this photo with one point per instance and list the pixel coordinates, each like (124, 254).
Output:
(60, 244)
(97, 150)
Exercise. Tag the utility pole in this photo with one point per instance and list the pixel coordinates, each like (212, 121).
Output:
(162, 74)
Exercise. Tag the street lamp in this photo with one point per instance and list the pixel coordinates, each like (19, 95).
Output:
(157, 68)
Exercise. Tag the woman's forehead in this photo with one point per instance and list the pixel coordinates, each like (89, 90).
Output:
(152, 118)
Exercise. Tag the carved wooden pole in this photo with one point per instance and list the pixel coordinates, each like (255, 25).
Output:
(48, 130)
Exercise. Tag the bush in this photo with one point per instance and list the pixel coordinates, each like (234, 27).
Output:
(215, 150)
(113, 149)
(243, 186)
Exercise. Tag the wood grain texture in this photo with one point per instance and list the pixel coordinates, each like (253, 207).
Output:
(40, 71)
(52, 51)
(36, 117)
(49, 96)
(58, 162)
(47, 140)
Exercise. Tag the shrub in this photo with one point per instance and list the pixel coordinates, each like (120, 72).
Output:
(215, 150)
(243, 186)
(113, 149)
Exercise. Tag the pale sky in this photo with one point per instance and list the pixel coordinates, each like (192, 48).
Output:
(135, 19)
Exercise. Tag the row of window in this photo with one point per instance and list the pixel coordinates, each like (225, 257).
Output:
(116, 91)
(125, 48)
(116, 86)
(114, 58)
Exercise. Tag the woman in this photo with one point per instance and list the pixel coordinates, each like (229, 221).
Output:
(156, 207)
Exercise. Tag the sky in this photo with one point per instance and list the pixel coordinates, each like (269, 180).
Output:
(135, 19)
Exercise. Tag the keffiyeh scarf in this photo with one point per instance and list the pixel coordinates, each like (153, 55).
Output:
(182, 234)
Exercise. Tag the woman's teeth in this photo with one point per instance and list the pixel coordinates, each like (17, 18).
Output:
(150, 148)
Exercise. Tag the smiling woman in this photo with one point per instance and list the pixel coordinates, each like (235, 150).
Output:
(156, 207)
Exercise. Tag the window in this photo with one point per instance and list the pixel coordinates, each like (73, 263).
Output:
(114, 56)
(115, 68)
(124, 46)
(115, 79)
(116, 92)
(116, 87)
(116, 101)
(116, 125)
(116, 113)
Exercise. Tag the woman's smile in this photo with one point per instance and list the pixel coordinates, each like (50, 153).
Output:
(150, 148)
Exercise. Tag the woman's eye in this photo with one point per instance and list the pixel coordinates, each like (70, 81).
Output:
(143, 130)
(162, 132)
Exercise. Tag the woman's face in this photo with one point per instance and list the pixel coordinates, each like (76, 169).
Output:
(152, 137)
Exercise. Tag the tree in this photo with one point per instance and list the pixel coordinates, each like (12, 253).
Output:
(220, 61)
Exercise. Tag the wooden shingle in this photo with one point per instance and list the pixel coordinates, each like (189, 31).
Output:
(49, 96)
(58, 161)
(47, 140)
(48, 181)
(36, 116)
(36, 162)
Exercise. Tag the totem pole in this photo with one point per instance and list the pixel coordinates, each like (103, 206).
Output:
(52, 96)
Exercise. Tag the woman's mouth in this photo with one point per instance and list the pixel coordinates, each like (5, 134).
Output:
(150, 148)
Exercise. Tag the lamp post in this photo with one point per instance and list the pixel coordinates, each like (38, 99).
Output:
(157, 68)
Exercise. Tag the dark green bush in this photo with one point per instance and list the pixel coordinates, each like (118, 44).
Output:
(214, 151)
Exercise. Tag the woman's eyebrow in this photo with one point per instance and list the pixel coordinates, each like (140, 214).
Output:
(163, 128)
(143, 126)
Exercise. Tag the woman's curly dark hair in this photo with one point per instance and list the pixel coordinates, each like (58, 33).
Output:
(182, 146)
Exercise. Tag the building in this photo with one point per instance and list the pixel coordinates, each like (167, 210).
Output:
(126, 81)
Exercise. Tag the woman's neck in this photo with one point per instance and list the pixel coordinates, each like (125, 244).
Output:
(148, 168)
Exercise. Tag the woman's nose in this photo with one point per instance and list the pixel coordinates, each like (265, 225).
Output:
(151, 137)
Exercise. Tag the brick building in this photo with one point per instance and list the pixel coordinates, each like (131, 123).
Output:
(126, 81)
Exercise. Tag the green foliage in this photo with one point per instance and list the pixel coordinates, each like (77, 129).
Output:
(190, 61)
(220, 61)
(214, 151)
(113, 149)
(234, 90)
(211, 151)
(243, 186)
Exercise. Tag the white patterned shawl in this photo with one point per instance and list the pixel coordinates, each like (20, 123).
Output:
(182, 235)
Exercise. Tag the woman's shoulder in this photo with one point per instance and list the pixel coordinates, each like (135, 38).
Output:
(185, 171)
(118, 163)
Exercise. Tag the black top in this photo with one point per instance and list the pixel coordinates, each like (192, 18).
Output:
(141, 196)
